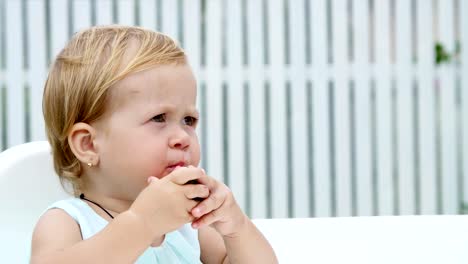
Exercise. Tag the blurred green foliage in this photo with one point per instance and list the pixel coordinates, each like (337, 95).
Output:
(442, 55)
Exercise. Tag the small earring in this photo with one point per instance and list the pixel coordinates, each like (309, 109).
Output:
(90, 164)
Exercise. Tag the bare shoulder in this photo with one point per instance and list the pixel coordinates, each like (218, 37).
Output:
(54, 231)
(211, 245)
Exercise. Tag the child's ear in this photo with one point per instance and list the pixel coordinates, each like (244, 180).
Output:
(80, 139)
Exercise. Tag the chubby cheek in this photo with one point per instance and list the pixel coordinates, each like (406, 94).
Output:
(195, 153)
(139, 161)
(151, 165)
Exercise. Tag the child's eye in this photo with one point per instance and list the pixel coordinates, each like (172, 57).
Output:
(159, 118)
(190, 120)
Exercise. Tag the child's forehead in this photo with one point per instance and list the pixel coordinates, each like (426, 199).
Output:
(157, 83)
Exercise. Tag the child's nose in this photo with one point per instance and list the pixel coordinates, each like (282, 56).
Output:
(180, 139)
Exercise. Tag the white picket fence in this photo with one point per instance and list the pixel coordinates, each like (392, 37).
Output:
(309, 107)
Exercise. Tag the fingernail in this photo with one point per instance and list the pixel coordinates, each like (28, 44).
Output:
(196, 211)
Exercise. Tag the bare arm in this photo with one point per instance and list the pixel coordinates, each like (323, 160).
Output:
(248, 246)
(232, 238)
(57, 239)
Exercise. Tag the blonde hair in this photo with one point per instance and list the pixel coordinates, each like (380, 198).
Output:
(78, 84)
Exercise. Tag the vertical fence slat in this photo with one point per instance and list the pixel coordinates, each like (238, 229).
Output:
(425, 59)
(59, 26)
(385, 183)
(170, 18)
(214, 135)
(362, 106)
(38, 65)
(14, 74)
(236, 139)
(192, 33)
(341, 106)
(2, 72)
(148, 13)
(448, 113)
(321, 118)
(81, 15)
(257, 129)
(405, 117)
(298, 106)
(104, 12)
(126, 14)
(277, 109)
(464, 86)
(192, 45)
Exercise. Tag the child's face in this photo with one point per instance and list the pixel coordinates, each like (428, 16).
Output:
(148, 129)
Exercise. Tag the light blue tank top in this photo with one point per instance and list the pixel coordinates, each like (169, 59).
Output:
(180, 246)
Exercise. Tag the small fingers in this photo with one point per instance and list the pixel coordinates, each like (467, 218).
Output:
(213, 202)
(196, 191)
(189, 206)
(207, 180)
(207, 219)
(190, 217)
(183, 175)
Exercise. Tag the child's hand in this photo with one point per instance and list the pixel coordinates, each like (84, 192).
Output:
(165, 204)
(220, 209)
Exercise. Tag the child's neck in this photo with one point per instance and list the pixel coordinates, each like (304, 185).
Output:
(113, 205)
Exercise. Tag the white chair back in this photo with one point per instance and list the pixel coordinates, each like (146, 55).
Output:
(28, 184)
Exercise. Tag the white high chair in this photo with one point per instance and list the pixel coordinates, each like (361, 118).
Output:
(28, 184)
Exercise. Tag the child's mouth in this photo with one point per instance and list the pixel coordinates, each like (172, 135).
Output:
(172, 167)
